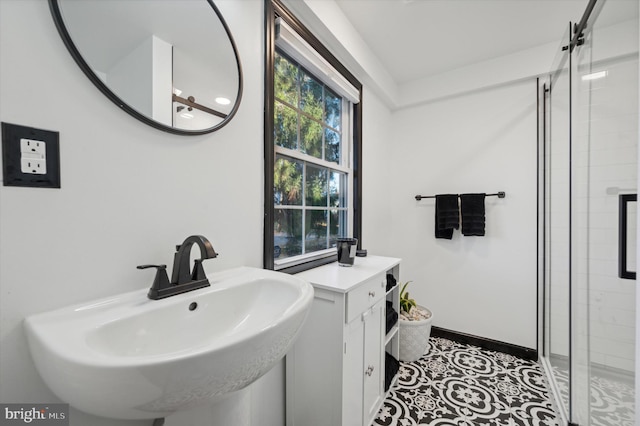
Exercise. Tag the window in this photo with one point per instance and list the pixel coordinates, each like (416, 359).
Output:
(310, 156)
(311, 172)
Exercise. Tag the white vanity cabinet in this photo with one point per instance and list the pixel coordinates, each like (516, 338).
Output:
(336, 369)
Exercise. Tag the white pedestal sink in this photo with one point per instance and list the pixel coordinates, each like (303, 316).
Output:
(129, 357)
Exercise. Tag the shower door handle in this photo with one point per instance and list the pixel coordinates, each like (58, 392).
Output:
(623, 235)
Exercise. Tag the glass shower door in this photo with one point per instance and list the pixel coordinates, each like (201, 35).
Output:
(557, 213)
(590, 174)
(606, 148)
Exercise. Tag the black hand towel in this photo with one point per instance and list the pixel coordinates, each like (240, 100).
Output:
(447, 215)
(392, 316)
(391, 367)
(472, 211)
(391, 282)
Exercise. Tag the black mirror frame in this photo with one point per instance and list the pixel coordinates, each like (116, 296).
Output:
(66, 38)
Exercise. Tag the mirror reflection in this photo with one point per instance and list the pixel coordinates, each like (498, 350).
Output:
(170, 61)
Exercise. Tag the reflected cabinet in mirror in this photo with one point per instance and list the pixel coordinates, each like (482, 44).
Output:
(172, 64)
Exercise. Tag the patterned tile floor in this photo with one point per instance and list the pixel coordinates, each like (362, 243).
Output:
(612, 395)
(612, 402)
(462, 385)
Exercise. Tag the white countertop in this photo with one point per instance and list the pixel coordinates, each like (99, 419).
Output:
(344, 278)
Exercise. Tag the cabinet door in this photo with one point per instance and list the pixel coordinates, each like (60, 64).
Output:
(353, 373)
(374, 326)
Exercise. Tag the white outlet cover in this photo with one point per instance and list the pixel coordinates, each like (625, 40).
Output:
(33, 157)
(37, 148)
(33, 166)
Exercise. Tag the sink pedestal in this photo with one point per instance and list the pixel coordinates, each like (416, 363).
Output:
(232, 409)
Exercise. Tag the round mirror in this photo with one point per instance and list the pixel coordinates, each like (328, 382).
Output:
(172, 64)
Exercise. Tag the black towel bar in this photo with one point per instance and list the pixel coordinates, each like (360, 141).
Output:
(500, 194)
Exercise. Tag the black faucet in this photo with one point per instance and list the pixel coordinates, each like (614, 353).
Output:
(182, 279)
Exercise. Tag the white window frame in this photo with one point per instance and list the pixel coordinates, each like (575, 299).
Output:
(334, 81)
(331, 166)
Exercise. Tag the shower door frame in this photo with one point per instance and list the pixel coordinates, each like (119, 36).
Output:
(561, 64)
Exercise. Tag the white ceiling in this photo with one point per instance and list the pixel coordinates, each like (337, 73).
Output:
(419, 38)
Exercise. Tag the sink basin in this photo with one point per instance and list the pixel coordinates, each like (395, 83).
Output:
(129, 357)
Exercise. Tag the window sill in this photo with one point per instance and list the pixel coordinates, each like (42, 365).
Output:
(299, 267)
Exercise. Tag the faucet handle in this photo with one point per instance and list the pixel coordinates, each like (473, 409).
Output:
(151, 266)
(161, 281)
(198, 271)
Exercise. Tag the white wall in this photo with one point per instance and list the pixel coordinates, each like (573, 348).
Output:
(484, 141)
(471, 129)
(162, 77)
(379, 173)
(124, 77)
(129, 192)
(493, 72)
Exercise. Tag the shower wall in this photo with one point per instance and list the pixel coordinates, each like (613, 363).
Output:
(591, 158)
(606, 123)
(605, 145)
(612, 170)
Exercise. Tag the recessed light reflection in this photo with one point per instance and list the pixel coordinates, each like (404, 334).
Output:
(594, 75)
(186, 115)
(223, 101)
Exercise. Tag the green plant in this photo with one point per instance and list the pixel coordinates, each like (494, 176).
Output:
(406, 303)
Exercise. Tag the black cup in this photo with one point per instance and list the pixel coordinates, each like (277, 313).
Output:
(347, 251)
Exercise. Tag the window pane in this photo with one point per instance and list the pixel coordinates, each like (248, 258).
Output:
(310, 137)
(310, 196)
(333, 109)
(337, 226)
(286, 80)
(338, 190)
(285, 127)
(316, 186)
(332, 146)
(311, 96)
(287, 233)
(315, 237)
(287, 182)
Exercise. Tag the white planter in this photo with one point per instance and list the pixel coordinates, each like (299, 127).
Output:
(414, 337)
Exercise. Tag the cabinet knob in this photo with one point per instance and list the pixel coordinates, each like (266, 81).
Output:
(369, 371)
(372, 293)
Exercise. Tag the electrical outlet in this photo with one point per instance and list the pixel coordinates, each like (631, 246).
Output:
(30, 157)
(33, 157)
(34, 147)
(33, 166)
